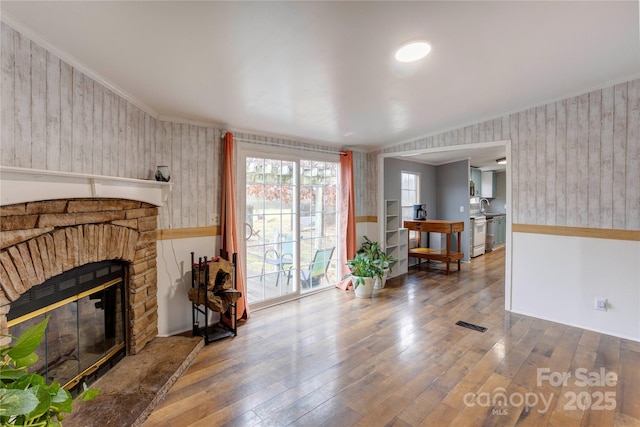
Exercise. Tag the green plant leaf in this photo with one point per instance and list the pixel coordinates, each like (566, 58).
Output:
(29, 341)
(10, 374)
(53, 388)
(27, 361)
(23, 382)
(16, 402)
(62, 400)
(89, 393)
(44, 401)
(38, 380)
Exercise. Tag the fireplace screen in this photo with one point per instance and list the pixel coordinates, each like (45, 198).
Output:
(86, 330)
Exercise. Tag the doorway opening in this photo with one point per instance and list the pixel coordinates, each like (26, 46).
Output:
(438, 156)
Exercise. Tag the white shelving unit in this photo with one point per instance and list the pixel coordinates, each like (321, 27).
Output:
(395, 237)
(402, 266)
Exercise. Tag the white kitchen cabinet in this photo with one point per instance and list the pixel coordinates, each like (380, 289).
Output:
(488, 188)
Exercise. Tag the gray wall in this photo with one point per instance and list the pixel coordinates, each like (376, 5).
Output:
(392, 185)
(452, 191)
(443, 189)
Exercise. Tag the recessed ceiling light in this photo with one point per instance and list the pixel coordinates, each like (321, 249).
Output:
(502, 161)
(413, 51)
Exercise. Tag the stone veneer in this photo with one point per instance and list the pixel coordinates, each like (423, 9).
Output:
(40, 240)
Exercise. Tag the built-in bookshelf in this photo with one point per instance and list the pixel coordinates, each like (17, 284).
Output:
(395, 237)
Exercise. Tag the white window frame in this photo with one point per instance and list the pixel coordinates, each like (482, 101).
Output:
(413, 235)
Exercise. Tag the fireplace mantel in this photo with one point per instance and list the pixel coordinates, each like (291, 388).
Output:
(21, 185)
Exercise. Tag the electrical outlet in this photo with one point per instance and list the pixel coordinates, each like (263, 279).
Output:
(461, 208)
(601, 304)
(215, 219)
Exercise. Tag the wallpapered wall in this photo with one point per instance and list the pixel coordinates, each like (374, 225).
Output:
(56, 118)
(575, 162)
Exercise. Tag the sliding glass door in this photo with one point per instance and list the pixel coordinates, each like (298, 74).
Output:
(291, 232)
(318, 224)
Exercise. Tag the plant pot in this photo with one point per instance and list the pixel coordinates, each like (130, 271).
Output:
(365, 290)
(381, 281)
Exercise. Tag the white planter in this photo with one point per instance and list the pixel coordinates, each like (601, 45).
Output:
(381, 281)
(365, 290)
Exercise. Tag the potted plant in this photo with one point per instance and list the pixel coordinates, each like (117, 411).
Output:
(25, 398)
(381, 258)
(385, 263)
(364, 271)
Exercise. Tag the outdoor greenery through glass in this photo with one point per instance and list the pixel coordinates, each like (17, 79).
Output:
(273, 189)
(410, 191)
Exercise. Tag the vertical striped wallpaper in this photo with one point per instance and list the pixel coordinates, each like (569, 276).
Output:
(56, 118)
(575, 162)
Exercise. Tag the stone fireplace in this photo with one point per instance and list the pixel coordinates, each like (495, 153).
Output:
(81, 221)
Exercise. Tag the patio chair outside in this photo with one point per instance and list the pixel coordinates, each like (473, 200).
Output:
(311, 276)
(282, 261)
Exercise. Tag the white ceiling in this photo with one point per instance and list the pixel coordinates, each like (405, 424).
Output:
(324, 71)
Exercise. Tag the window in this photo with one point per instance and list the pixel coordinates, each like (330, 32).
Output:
(410, 191)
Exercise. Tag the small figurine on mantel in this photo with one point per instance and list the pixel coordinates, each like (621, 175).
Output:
(162, 174)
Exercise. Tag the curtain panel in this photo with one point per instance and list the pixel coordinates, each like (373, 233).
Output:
(347, 216)
(229, 232)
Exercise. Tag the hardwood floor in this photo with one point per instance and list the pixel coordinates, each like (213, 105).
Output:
(398, 359)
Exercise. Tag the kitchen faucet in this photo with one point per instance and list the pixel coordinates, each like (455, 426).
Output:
(483, 210)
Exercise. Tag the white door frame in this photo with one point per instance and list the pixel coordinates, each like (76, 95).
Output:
(244, 150)
(508, 243)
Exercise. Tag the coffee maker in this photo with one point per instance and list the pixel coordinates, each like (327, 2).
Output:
(420, 212)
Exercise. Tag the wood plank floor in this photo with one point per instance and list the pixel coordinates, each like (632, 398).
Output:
(398, 359)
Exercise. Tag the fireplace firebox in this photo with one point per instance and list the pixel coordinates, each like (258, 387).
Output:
(86, 332)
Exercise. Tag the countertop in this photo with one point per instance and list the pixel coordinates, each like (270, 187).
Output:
(489, 215)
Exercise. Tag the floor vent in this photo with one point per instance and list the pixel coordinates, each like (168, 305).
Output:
(471, 326)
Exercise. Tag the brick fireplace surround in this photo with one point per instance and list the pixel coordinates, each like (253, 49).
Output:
(42, 239)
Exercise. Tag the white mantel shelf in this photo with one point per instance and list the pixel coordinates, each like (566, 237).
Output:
(21, 185)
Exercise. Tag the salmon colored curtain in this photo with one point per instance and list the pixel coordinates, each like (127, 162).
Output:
(228, 220)
(347, 216)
